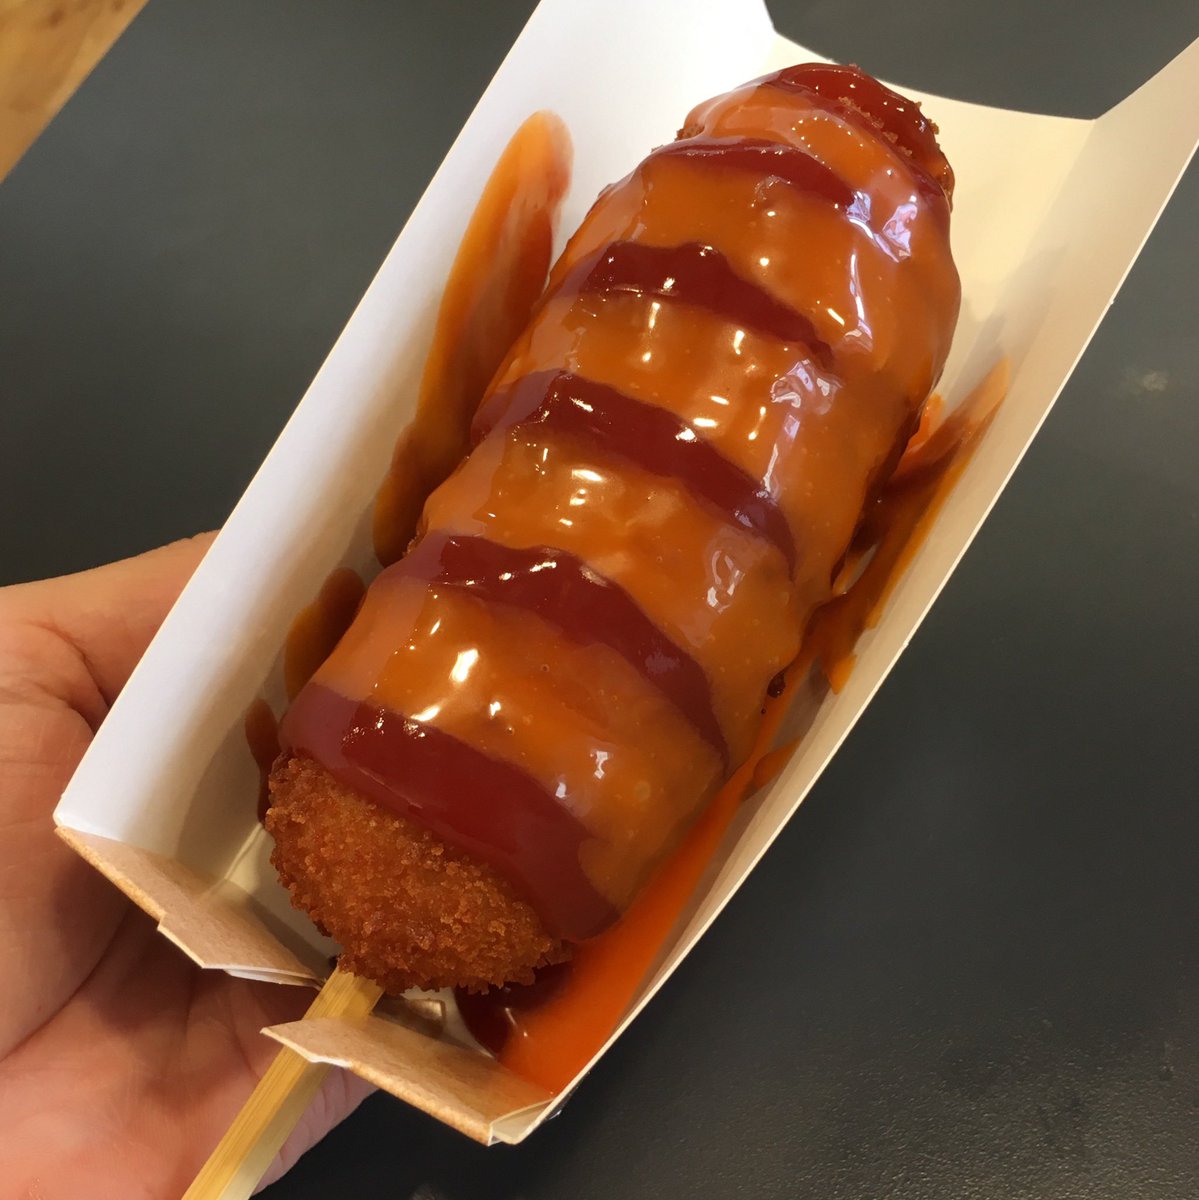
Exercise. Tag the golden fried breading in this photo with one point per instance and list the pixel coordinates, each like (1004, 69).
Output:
(408, 910)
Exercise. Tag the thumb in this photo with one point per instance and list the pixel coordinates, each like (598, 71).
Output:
(105, 617)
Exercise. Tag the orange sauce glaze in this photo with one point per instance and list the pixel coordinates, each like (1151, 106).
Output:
(792, 321)
(549, 1031)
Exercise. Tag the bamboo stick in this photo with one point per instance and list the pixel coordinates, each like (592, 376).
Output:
(250, 1144)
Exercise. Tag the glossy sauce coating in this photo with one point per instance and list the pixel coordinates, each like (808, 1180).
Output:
(667, 473)
(645, 436)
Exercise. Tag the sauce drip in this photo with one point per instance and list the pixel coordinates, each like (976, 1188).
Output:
(494, 284)
(318, 627)
(768, 767)
(651, 437)
(262, 737)
(489, 808)
(701, 276)
(548, 1033)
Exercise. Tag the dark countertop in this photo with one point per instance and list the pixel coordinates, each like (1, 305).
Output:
(970, 966)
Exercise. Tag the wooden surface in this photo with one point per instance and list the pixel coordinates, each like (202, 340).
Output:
(47, 48)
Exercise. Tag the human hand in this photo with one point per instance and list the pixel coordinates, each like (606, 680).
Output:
(121, 1062)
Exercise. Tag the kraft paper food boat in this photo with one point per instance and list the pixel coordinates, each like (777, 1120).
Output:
(1046, 226)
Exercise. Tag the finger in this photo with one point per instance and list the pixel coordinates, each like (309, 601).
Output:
(106, 617)
(341, 1093)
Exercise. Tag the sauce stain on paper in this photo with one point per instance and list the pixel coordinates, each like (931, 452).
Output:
(494, 285)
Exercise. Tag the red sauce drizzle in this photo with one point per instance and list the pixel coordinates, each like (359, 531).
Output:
(566, 592)
(894, 526)
(549, 1033)
(491, 809)
(650, 437)
(764, 160)
(699, 275)
(850, 93)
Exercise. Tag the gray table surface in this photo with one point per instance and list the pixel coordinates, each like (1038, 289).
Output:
(970, 967)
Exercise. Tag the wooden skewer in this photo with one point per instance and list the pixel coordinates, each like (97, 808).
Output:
(250, 1144)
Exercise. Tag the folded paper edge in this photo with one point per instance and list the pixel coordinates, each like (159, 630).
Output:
(465, 1089)
(215, 923)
